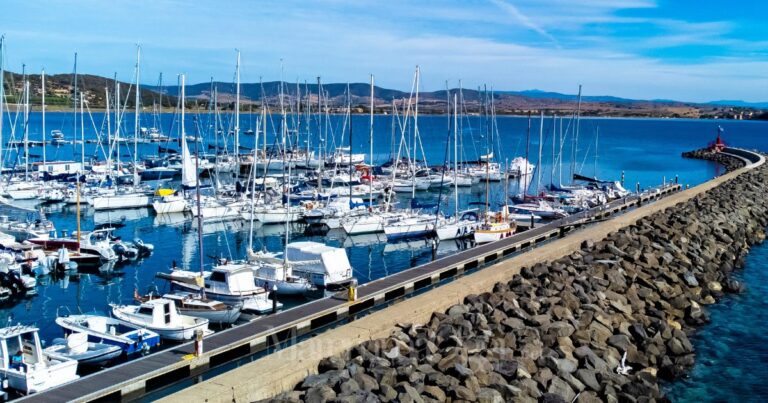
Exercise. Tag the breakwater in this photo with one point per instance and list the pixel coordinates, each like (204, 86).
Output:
(561, 329)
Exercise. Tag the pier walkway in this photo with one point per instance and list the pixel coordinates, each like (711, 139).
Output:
(310, 322)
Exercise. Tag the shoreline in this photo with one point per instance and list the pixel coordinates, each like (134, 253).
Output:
(189, 110)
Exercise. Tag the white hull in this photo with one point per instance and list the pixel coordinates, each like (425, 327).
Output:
(364, 225)
(462, 229)
(23, 194)
(121, 202)
(166, 207)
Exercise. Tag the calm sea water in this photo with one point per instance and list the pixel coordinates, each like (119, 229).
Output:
(646, 151)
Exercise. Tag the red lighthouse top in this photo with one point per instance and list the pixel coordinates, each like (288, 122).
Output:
(718, 145)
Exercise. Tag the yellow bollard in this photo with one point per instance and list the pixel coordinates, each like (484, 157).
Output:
(352, 292)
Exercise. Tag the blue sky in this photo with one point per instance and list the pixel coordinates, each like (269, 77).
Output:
(649, 49)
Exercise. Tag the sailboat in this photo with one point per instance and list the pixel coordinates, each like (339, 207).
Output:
(458, 226)
(495, 225)
(174, 201)
(133, 196)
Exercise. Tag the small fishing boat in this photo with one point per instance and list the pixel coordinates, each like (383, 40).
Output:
(495, 227)
(162, 317)
(102, 329)
(200, 307)
(77, 347)
(29, 369)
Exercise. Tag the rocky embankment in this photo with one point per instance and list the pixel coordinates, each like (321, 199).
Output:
(605, 323)
(730, 163)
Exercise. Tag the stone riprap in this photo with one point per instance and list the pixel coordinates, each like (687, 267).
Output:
(729, 162)
(605, 323)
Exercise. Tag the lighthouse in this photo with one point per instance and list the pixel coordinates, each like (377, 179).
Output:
(718, 145)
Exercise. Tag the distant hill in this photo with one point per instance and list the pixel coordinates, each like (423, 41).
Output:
(742, 104)
(59, 89)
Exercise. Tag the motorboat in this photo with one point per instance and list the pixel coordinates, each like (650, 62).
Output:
(26, 367)
(40, 228)
(192, 304)
(162, 317)
(276, 274)
(130, 338)
(229, 282)
(324, 266)
(77, 347)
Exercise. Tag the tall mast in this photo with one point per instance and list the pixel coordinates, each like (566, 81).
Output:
(455, 156)
(597, 134)
(237, 113)
(415, 133)
(2, 98)
(42, 90)
(541, 145)
(26, 130)
(527, 151)
(554, 136)
(137, 103)
(109, 128)
(575, 138)
(349, 116)
(117, 122)
(370, 169)
(82, 132)
(74, 102)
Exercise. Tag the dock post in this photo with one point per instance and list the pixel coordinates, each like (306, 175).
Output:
(532, 220)
(676, 178)
(622, 178)
(274, 298)
(198, 342)
(352, 292)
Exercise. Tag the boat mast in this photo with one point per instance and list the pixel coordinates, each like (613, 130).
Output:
(82, 132)
(415, 133)
(2, 98)
(42, 91)
(349, 116)
(74, 102)
(527, 151)
(197, 183)
(455, 156)
(597, 134)
(554, 137)
(136, 105)
(575, 137)
(26, 130)
(109, 128)
(370, 169)
(237, 114)
(117, 123)
(541, 145)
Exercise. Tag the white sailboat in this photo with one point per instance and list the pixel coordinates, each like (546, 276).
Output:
(457, 226)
